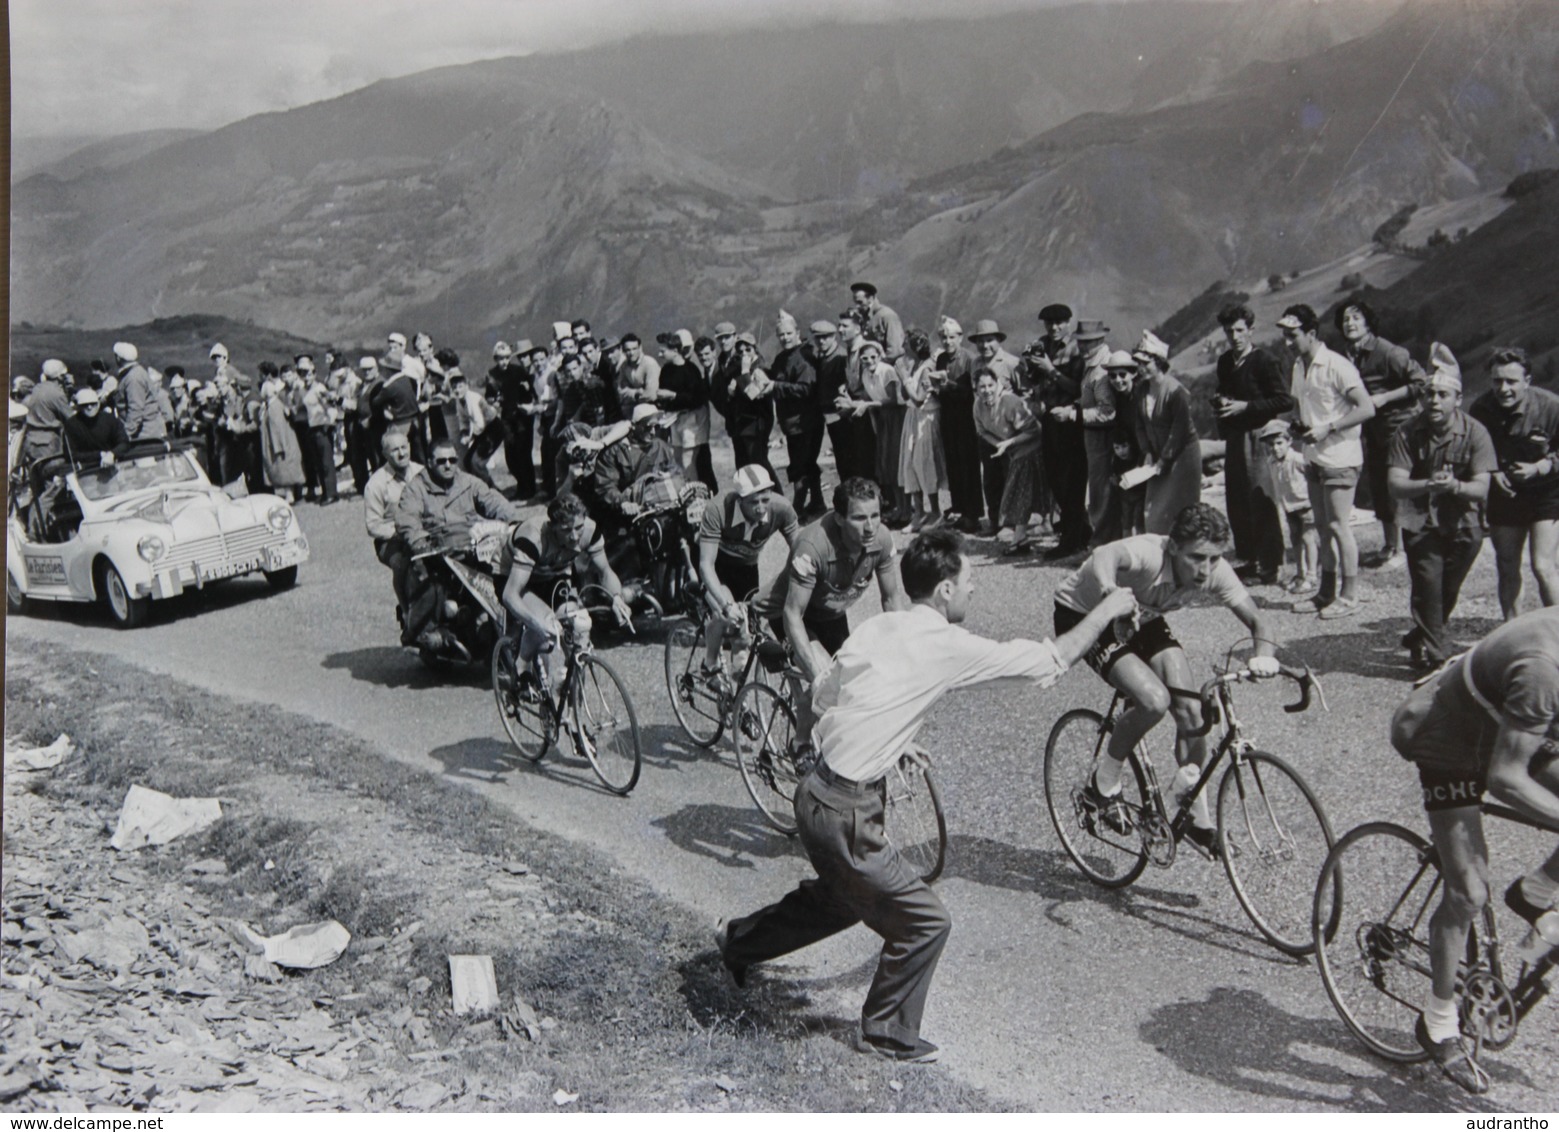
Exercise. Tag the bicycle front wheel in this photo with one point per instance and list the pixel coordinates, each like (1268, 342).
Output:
(1274, 839)
(696, 707)
(912, 818)
(1370, 924)
(524, 717)
(608, 730)
(763, 729)
(1108, 858)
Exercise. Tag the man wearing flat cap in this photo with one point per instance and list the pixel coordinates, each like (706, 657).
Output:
(744, 394)
(623, 464)
(510, 379)
(141, 393)
(831, 364)
(90, 430)
(1052, 375)
(1440, 465)
(48, 408)
(953, 383)
(879, 323)
(1094, 413)
(1251, 391)
(800, 418)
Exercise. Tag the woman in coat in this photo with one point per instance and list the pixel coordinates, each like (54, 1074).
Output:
(1004, 421)
(1166, 434)
(280, 455)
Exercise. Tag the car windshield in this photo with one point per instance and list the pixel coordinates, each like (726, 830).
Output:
(136, 475)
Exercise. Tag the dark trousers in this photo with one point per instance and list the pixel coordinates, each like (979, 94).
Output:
(480, 450)
(551, 449)
(321, 442)
(1066, 470)
(357, 452)
(704, 465)
(1377, 435)
(395, 554)
(994, 472)
(753, 449)
(855, 447)
(861, 878)
(1253, 516)
(1437, 566)
(961, 450)
(803, 448)
(517, 443)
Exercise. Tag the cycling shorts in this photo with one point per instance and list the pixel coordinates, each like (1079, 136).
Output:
(741, 578)
(1152, 637)
(831, 632)
(1453, 743)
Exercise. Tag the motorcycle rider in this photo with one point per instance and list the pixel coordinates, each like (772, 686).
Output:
(621, 465)
(562, 545)
(436, 510)
(381, 497)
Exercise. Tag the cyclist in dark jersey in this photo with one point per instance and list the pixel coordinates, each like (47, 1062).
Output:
(542, 553)
(735, 529)
(1486, 721)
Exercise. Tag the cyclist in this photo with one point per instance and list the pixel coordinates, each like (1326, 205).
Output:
(1487, 720)
(541, 553)
(735, 529)
(1143, 662)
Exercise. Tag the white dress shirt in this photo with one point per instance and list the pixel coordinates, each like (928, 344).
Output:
(873, 698)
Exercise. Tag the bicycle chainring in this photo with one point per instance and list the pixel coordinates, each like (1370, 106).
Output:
(1488, 1011)
(1157, 839)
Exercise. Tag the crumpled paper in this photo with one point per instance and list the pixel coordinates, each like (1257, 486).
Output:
(150, 817)
(301, 948)
(38, 758)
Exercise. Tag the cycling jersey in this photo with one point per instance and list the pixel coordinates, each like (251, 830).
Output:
(819, 558)
(1141, 564)
(533, 544)
(725, 525)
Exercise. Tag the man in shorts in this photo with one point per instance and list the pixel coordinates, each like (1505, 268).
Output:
(1164, 573)
(735, 529)
(1487, 721)
(543, 552)
(830, 565)
(1523, 499)
(871, 702)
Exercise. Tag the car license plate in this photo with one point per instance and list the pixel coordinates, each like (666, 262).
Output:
(229, 569)
(280, 557)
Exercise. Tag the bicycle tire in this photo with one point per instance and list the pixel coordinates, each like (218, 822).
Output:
(525, 723)
(698, 710)
(913, 820)
(607, 728)
(763, 731)
(1274, 838)
(1110, 860)
(1380, 883)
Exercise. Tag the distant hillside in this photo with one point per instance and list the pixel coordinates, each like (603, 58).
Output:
(70, 157)
(186, 341)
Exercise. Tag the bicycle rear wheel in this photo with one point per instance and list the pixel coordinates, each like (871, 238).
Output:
(524, 720)
(1379, 884)
(1274, 838)
(913, 820)
(608, 729)
(697, 709)
(1105, 857)
(763, 730)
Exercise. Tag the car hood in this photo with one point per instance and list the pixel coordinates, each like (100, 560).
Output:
(192, 513)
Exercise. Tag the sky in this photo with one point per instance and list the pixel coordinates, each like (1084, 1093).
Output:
(131, 65)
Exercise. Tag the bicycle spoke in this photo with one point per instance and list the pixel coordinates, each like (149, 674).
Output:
(763, 731)
(606, 728)
(1105, 856)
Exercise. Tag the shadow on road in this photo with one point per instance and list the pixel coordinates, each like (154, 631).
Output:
(191, 603)
(1050, 875)
(1376, 650)
(1243, 1042)
(735, 838)
(390, 666)
(666, 746)
(488, 759)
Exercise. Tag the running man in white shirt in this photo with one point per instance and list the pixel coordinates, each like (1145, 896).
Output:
(871, 702)
(1144, 661)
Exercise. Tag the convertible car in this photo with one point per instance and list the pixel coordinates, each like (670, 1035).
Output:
(145, 526)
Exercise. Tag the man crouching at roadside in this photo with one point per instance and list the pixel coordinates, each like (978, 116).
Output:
(870, 703)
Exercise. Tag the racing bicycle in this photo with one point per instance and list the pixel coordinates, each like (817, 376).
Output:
(1271, 831)
(592, 705)
(1377, 890)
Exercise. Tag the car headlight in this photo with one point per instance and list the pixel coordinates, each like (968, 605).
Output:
(151, 548)
(279, 517)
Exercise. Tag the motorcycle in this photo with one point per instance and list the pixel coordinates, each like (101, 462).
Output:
(664, 535)
(457, 612)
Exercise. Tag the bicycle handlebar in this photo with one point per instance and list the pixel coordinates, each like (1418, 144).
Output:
(1208, 695)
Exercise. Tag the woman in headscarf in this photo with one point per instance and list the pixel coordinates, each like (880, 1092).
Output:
(922, 469)
(281, 457)
(1004, 421)
(882, 384)
(1166, 434)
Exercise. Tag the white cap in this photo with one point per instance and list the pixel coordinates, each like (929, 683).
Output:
(751, 479)
(218, 351)
(644, 412)
(368, 361)
(126, 352)
(54, 368)
(399, 339)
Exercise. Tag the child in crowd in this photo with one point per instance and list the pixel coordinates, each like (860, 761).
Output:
(1286, 468)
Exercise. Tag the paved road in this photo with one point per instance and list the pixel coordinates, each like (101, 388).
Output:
(1052, 993)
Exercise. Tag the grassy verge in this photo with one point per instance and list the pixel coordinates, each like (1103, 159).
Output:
(636, 1013)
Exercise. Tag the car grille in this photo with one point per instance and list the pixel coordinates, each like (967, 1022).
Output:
(209, 553)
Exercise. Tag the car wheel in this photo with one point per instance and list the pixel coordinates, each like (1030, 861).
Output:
(283, 579)
(129, 611)
(15, 599)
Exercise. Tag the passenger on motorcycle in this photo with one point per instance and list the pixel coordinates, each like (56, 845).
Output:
(735, 529)
(624, 464)
(543, 552)
(435, 512)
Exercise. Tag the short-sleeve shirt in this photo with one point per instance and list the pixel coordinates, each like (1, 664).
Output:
(533, 544)
(1515, 671)
(820, 559)
(1320, 392)
(1524, 436)
(1141, 564)
(1465, 450)
(725, 525)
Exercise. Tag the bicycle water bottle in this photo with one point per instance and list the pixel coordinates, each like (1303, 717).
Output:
(1542, 937)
